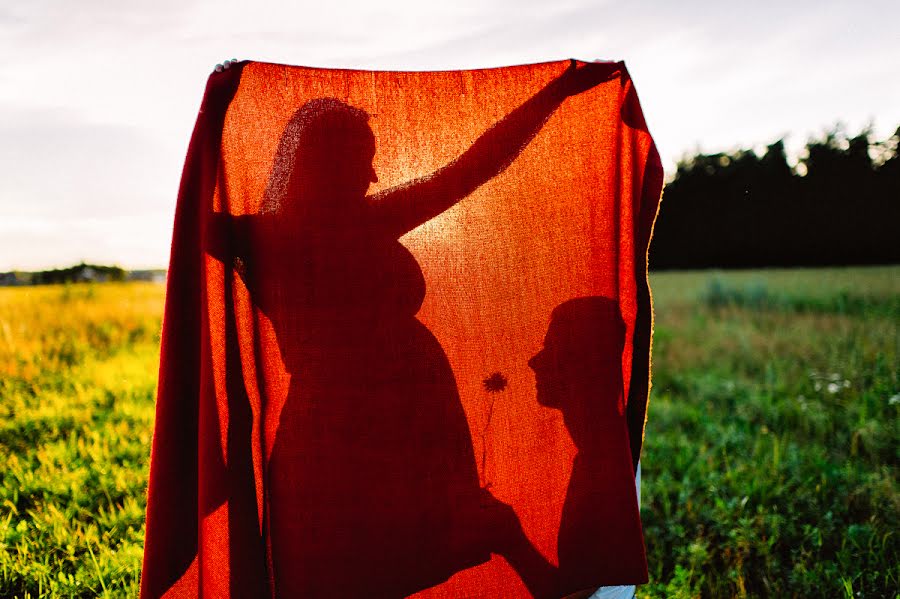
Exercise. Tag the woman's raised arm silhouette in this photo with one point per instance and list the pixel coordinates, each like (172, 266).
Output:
(403, 208)
(343, 168)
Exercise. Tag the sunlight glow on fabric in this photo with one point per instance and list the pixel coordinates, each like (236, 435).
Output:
(406, 344)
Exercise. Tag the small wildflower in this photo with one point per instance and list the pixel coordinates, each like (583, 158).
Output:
(494, 383)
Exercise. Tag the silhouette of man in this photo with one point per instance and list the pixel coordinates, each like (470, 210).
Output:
(579, 372)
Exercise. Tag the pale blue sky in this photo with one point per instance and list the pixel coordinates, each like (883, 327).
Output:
(98, 98)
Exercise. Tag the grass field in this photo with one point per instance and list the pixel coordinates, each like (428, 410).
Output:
(770, 465)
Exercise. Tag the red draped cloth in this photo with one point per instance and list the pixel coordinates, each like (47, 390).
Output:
(406, 340)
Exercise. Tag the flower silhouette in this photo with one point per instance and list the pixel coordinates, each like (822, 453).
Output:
(495, 383)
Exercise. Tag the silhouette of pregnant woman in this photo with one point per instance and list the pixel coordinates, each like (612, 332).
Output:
(372, 470)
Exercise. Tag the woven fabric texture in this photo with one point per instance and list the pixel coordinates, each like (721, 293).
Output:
(406, 341)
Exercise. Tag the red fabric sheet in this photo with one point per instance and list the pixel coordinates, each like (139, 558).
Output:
(407, 336)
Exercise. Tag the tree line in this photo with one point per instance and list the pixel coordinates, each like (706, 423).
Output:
(80, 273)
(839, 205)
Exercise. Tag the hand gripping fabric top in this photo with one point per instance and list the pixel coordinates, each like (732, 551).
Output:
(406, 340)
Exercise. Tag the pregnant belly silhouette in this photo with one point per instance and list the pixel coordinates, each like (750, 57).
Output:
(372, 469)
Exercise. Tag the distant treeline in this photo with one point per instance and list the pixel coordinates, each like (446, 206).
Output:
(839, 205)
(80, 273)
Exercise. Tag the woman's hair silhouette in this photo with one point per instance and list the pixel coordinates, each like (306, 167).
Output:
(326, 149)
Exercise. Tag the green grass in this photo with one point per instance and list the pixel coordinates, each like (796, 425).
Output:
(772, 438)
(770, 464)
(77, 380)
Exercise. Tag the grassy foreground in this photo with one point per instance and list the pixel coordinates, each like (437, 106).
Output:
(770, 465)
(773, 435)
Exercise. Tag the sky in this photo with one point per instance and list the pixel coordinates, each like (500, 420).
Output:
(98, 98)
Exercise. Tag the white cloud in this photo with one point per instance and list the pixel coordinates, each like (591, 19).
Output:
(98, 98)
